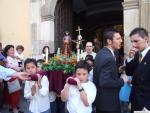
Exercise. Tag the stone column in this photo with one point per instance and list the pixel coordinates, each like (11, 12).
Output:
(131, 20)
(145, 14)
(47, 23)
(42, 25)
(35, 12)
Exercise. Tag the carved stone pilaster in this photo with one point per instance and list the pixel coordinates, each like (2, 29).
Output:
(131, 20)
(47, 18)
(145, 14)
(34, 0)
(47, 10)
(130, 4)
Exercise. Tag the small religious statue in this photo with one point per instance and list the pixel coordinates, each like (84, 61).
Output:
(79, 42)
(66, 44)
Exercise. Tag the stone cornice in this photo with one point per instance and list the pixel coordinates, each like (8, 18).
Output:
(132, 4)
(48, 17)
(34, 0)
(146, 1)
(145, 14)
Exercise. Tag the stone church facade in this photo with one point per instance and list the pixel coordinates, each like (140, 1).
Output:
(46, 27)
(135, 13)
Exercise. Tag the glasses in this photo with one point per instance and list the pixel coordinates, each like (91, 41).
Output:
(88, 46)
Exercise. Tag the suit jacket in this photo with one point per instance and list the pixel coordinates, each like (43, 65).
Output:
(105, 77)
(140, 93)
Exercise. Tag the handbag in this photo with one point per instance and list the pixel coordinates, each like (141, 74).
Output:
(13, 86)
(125, 92)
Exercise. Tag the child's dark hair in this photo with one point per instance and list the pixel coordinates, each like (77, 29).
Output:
(89, 57)
(30, 60)
(20, 47)
(84, 65)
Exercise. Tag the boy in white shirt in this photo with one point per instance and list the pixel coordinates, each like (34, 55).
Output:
(36, 91)
(79, 97)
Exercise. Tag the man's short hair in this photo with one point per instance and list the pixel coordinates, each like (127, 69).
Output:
(140, 31)
(108, 34)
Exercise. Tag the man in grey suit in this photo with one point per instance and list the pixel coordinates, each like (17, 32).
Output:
(105, 74)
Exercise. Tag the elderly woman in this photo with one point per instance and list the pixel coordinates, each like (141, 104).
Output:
(12, 97)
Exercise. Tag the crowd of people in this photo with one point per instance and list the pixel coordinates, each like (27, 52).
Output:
(95, 86)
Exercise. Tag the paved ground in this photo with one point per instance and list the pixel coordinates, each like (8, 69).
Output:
(23, 107)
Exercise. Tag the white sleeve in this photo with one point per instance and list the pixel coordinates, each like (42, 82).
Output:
(145, 109)
(9, 63)
(45, 86)
(6, 73)
(129, 59)
(91, 96)
(27, 90)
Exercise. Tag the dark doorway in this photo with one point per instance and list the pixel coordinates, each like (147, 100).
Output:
(63, 20)
(93, 16)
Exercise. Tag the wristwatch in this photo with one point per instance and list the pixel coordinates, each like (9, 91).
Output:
(80, 90)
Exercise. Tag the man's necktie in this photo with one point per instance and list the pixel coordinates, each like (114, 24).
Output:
(140, 57)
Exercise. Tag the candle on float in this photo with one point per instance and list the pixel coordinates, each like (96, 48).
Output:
(81, 51)
(46, 55)
(58, 51)
(78, 55)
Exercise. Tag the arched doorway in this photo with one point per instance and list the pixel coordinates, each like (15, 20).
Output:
(92, 15)
(63, 20)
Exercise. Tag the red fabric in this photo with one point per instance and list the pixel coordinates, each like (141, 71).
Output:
(72, 81)
(1, 85)
(57, 80)
(34, 77)
(12, 99)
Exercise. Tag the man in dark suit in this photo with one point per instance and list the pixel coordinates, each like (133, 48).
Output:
(139, 67)
(105, 74)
